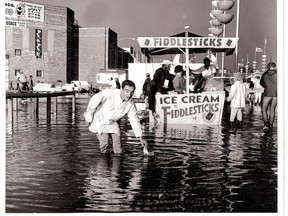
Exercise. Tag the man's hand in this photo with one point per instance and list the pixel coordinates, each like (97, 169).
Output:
(87, 123)
(143, 142)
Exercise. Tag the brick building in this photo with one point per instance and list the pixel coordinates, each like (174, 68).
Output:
(45, 41)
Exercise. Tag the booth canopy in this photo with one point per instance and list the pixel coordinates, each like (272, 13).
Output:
(175, 50)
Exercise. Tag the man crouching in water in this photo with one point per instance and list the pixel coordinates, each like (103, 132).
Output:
(106, 108)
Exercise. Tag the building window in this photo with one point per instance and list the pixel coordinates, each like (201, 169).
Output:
(7, 56)
(39, 73)
(17, 71)
(17, 52)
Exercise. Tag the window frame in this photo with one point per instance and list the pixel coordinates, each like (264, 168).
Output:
(41, 72)
(17, 71)
(18, 52)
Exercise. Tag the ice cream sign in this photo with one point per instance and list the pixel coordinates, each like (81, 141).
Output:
(187, 42)
(204, 108)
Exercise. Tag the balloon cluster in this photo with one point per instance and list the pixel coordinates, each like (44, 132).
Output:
(220, 16)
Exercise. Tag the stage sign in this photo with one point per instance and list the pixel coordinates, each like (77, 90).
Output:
(24, 11)
(200, 108)
(187, 42)
(15, 23)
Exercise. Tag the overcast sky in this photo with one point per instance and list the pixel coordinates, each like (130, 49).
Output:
(141, 18)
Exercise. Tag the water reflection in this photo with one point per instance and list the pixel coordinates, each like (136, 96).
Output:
(57, 166)
(111, 185)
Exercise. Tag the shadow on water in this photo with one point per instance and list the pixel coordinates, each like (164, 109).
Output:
(57, 166)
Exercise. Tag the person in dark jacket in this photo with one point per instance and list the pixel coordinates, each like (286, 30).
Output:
(269, 82)
(145, 89)
(162, 83)
(31, 83)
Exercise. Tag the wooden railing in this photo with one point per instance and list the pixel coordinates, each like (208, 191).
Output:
(13, 96)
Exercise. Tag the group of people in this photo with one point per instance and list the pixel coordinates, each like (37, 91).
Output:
(163, 82)
(238, 94)
(108, 106)
(23, 84)
(253, 84)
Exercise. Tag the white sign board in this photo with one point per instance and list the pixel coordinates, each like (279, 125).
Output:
(24, 11)
(187, 42)
(200, 108)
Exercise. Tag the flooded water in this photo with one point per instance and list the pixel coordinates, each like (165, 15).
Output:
(57, 167)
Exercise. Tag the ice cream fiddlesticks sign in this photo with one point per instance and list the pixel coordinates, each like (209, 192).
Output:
(187, 42)
(204, 108)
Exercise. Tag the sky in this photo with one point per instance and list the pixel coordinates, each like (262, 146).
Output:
(149, 18)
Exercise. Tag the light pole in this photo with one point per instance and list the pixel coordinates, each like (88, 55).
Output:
(186, 57)
(187, 60)
(237, 33)
(219, 12)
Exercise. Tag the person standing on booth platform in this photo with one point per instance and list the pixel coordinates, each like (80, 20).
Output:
(162, 83)
(179, 81)
(145, 89)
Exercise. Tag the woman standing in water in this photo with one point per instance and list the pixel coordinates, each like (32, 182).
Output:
(237, 96)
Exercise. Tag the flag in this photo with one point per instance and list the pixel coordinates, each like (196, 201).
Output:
(265, 41)
(258, 49)
(247, 60)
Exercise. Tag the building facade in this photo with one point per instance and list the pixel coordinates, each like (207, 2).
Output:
(46, 42)
(39, 41)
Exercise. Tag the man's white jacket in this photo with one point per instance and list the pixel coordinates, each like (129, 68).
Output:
(106, 108)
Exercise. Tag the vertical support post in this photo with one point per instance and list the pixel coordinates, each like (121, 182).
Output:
(73, 103)
(15, 104)
(48, 109)
(55, 104)
(223, 54)
(237, 33)
(37, 107)
(187, 62)
(10, 110)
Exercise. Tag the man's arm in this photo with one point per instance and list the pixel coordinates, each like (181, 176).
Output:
(231, 93)
(262, 82)
(136, 125)
(92, 105)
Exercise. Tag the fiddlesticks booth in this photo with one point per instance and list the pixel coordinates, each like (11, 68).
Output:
(190, 108)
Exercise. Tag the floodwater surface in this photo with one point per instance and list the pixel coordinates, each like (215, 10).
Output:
(56, 166)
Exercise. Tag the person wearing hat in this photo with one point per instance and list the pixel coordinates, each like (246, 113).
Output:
(269, 102)
(179, 82)
(237, 97)
(162, 83)
(145, 89)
